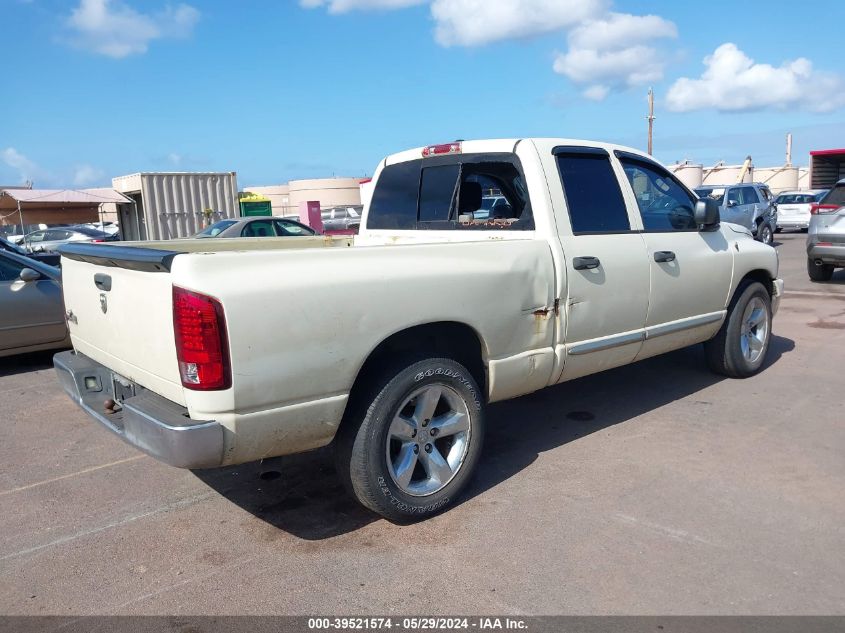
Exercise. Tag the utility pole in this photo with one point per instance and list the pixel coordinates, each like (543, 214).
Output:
(650, 119)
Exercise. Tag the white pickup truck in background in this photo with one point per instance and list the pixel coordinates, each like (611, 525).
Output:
(206, 353)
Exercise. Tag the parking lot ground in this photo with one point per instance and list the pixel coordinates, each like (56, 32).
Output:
(657, 488)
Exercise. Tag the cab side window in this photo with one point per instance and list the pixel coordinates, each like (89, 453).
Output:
(593, 196)
(664, 204)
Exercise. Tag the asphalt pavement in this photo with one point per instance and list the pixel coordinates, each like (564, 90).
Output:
(657, 488)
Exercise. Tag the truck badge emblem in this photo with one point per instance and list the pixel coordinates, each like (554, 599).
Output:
(104, 302)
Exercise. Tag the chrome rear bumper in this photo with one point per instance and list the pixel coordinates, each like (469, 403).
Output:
(147, 421)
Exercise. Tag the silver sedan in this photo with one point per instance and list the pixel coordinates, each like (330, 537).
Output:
(256, 227)
(32, 314)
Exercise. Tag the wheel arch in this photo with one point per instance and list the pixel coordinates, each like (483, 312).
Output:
(449, 339)
(758, 274)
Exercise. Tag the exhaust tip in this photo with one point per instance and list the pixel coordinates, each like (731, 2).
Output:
(818, 262)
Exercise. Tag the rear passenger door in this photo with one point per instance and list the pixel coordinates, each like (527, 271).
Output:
(689, 270)
(607, 271)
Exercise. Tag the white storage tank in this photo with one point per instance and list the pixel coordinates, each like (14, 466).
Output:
(726, 175)
(689, 174)
(176, 204)
(778, 178)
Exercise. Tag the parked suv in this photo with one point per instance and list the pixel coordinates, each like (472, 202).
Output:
(826, 235)
(747, 204)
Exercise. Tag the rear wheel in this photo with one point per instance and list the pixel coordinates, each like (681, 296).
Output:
(764, 233)
(739, 349)
(819, 272)
(412, 450)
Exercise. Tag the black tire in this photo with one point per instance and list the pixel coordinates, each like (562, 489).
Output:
(363, 445)
(778, 230)
(819, 272)
(725, 350)
(764, 233)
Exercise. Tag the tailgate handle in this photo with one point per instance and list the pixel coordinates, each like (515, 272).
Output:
(102, 281)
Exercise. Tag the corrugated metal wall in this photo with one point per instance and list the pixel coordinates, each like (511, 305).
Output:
(174, 203)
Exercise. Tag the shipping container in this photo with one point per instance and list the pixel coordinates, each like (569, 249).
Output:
(827, 167)
(173, 205)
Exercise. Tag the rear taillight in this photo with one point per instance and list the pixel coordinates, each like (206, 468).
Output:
(201, 341)
(821, 209)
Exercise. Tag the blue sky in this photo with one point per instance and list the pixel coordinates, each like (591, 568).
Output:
(277, 90)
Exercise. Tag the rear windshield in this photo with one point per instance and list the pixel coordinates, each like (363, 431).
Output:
(462, 192)
(795, 198)
(216, 229)
(835, 196)
(89, 231)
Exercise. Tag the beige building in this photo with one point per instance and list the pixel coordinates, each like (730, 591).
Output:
(329, 192)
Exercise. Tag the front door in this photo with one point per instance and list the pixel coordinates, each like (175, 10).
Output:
(690, 270)
(607, 275)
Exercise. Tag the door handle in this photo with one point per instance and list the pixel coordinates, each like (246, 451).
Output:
(102, 281)
(586, 263)
(664, 256)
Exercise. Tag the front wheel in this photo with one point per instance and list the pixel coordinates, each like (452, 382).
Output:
(418, 442)
(739, 349)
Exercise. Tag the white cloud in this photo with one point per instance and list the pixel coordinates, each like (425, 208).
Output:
(478, 22)
(607, 51)
(732, 81)
(615, 52)
(114, 29)
(343, 6)
(596, 92)
(27, 169)
(86, 175)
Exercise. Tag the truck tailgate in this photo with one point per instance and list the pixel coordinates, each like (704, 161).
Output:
(119, 308)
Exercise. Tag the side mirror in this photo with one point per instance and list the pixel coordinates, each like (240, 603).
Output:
(706, 214)
(732, 203)
(27, 274)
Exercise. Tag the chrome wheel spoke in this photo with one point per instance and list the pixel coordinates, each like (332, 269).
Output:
(405, 463)
(427, 403)
(758, 315)
(450, 424)
(435, 466)
(402, 428)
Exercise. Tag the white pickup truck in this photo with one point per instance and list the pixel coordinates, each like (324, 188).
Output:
(206, 353)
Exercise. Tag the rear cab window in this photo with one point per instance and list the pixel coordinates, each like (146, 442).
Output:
(593, 195)
(452, 193)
